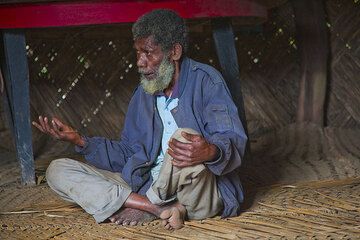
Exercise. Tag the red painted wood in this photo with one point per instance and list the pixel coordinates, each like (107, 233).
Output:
(56, 14)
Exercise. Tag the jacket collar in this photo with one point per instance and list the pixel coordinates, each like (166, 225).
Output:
(184, 71)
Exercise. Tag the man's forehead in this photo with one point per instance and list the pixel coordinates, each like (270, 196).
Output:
(146, 42)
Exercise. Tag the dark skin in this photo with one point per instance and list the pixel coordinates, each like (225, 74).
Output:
(197, 151)
(138, 208)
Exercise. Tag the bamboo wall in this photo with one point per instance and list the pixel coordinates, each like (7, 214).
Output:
(344, 97)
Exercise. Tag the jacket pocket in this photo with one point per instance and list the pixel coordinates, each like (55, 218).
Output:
(218, 118)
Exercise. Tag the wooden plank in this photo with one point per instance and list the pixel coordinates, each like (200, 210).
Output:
(223, 36)
(16, 75)
(313, 47)
(54, 14)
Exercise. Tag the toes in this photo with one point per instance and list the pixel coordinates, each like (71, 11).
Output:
(176, 219)
(112, 219)
(168, 226)
(133, 223)
(178, 226)
(166, 214)
(126, 222)
(115, 217)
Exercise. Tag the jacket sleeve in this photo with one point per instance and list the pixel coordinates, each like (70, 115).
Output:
(109, 154)
(105, 153)
(223, 126)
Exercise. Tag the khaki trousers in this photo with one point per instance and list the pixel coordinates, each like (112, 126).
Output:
(101, 193)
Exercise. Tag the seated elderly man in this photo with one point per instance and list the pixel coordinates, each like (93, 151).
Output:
(181, 145)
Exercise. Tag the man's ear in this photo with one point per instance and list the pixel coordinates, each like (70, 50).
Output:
(176, 52)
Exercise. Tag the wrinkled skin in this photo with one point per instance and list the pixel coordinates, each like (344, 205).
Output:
(132, 217)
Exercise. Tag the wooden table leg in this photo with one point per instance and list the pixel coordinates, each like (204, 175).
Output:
(16, 75)
(225, 48)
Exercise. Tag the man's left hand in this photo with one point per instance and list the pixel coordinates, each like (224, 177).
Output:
(197, 151)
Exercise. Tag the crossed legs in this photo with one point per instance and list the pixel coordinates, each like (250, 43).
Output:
(178, 193)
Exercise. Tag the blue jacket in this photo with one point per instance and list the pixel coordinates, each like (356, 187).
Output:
(205, 104)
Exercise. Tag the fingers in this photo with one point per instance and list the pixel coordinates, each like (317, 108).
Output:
(44, 126)
(55, 126)
(181, 164)
(177, 144)
(38, 126)
(54, 131)
(183, 161)
(47, 124)
(186, 152)
(49, 129)
(189, 154)
(183, 148)
(42, 123)
(191, 137)
(62, 129)
(58, 122)
(182, 153)
(179, 156)
(57, 130)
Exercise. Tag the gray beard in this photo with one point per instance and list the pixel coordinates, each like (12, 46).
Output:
(164, 76)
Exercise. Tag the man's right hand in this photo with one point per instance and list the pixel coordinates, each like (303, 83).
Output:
(59, 130)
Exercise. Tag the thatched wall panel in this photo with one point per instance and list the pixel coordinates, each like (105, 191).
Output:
(344, 95)
(3, 123)
(270, 86)
(81, 81)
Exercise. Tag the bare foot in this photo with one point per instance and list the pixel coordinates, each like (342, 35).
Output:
(174, 216)
(132, 217)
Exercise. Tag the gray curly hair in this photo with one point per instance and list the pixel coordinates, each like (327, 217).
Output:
(166, 26)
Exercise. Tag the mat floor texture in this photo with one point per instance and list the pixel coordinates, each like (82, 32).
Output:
(319, 207)
(316, 210)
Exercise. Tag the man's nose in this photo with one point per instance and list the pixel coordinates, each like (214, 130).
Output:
(141, 61)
